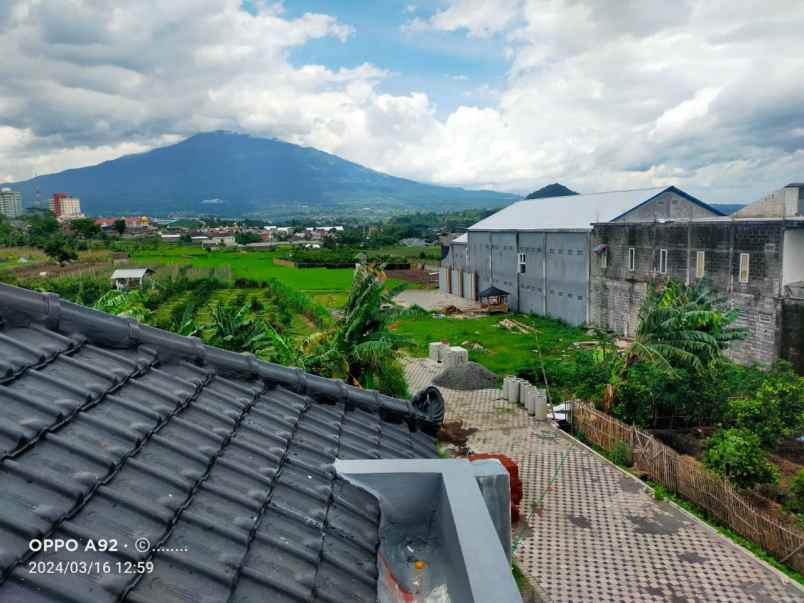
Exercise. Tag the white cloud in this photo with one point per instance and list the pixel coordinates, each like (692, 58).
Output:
(704, 94)
(480, 18)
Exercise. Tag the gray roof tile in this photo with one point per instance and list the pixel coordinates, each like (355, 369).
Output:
(227, 472)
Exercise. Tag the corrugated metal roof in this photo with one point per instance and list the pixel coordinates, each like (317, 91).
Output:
(461, 240)
(130, 273)
(570, 212)
(110, 431)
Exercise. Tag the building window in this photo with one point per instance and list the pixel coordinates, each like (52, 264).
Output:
(663, 261)
(744, 267)
(604, 260)
(522, 263)
(700, 264)
(631, 259)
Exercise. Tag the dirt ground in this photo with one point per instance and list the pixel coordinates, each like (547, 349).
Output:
(418, 277)
(433, 299)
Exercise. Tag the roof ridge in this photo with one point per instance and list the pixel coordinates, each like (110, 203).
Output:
(94, 324)
(624, 190)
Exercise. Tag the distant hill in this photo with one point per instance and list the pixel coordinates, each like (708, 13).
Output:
(232, 174)
(727, 208)
(551, 190)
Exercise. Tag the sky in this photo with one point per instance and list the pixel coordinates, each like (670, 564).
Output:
(510, 95)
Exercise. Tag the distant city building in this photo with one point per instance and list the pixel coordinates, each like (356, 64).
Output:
(133, 223)
(10, 203)
(64, 206)
(220, 240)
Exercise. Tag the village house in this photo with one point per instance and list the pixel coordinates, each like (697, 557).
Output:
(130, 278)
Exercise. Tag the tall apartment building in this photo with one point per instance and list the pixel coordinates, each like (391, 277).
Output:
(64, 206)
(10, 203)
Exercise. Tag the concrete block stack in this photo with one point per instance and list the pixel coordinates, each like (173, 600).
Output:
(521, 391)
(436, 350)
(455, 356)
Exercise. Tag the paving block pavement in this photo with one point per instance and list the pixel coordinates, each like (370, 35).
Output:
(594, 533)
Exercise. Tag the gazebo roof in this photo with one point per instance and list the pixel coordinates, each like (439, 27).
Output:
(491, 292)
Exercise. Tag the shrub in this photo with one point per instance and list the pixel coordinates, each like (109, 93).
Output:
(776, 411)
(764, 420)
(795, 493)
(621, 454)
(659, 493)
(736, 454)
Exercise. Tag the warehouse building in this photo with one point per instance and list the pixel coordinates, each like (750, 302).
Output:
(538, 251)
(754, 258)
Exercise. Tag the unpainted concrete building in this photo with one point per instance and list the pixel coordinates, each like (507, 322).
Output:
(539, 250)
(755, 258)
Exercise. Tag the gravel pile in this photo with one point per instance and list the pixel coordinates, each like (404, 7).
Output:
(467, 376)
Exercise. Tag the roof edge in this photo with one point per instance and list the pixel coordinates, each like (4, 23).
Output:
(679, 192)
(425, 411)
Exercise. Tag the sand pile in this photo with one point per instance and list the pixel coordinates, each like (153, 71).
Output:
(467, 376)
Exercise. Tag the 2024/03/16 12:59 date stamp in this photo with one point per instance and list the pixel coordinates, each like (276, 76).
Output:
(86, 565)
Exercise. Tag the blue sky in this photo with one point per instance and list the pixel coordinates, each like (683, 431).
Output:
(451, 68)
(500, 94)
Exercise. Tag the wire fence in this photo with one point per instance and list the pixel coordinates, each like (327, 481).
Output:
(776, 532)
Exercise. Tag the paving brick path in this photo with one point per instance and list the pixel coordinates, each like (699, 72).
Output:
(600, 535)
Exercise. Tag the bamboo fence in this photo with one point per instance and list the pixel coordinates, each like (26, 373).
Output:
(685, 476)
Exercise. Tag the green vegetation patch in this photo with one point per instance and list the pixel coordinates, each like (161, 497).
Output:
(504, 351)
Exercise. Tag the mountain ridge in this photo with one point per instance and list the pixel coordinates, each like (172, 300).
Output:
(244, 175)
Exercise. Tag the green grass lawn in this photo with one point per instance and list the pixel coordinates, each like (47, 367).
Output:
(256, 265)
(502, 351)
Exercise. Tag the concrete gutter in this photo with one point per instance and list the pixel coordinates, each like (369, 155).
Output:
(438, 541)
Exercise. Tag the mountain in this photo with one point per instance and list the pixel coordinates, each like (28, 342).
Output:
(234, 174)
(551, 190)
(728, 208)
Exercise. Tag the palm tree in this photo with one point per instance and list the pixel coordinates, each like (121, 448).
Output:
(235, 328)
(124, 303)
(680, 326)
(362, 349)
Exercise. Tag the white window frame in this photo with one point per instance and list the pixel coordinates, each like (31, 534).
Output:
(663, 261)
(522, 261)
(700, 264)
(745, 267)
(604, 259)
(632, 259)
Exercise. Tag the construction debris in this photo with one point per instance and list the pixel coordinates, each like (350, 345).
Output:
(473, 345)
(456, 436)
(467, 377)
(514, 325)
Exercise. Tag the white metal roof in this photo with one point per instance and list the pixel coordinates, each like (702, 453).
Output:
(461, 240)
(573, 212)
(130, 273)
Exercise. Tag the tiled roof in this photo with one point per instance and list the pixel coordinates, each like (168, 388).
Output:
(114, 430)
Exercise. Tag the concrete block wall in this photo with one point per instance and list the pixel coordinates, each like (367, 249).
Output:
(793, 332)
(617, 292)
